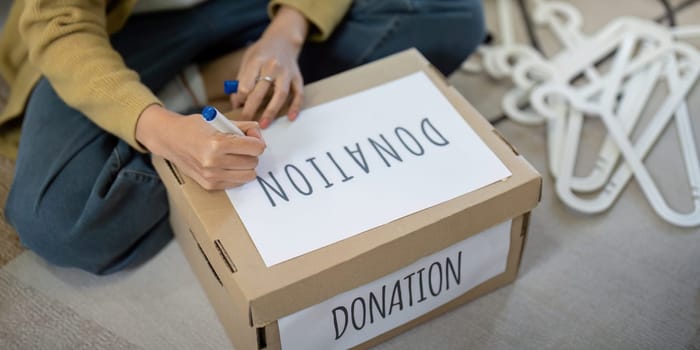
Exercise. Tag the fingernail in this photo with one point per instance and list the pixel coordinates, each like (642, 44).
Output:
(264, 123)
(230, 86)
(293, 115)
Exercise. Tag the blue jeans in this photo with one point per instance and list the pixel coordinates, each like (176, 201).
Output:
(82, 197)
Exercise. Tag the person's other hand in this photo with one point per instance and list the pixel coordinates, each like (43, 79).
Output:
(214, 159)
(270, 67)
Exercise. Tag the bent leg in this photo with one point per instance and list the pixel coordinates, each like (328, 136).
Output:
(81, 197)
(444, 31)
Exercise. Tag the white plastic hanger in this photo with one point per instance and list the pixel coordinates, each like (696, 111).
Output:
(545, 85)
(561, 70)
(634, 155)
(686, 32)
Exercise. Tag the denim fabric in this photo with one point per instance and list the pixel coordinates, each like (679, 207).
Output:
(81, 197)
(444, 31)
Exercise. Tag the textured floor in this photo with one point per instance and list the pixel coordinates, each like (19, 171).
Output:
(624, 279)
(9, 243)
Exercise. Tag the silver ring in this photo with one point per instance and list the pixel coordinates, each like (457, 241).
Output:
(266, 78)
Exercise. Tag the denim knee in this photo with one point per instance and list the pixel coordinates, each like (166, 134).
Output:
(95, 248)
(39, 235)
(101, 209)
(55, 246)
(458, 28)
(444, 31)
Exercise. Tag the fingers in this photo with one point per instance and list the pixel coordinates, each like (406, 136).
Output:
(250, 68)
(272, 78)
(255, 99)
(213, 180)
(298, 99)
(251, 129)
(278, 99)
(268, 80)
(237, 170)
(282, 89)
(238, 145)
(228, 160)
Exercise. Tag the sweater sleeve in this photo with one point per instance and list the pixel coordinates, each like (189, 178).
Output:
(68, 42)
(324, 15)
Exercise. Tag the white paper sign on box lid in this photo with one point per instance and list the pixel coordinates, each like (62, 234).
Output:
(358, 162)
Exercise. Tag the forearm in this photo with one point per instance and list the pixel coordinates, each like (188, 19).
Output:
(70, 45)
(289, 23)
(323, 15)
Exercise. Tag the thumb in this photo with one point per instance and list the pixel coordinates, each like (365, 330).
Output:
(251, 129)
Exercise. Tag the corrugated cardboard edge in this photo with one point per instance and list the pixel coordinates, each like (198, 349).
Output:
(268, 305)
(217, 264)
(238, 328)
(234, 316)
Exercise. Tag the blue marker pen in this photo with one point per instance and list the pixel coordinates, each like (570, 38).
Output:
(219, 121)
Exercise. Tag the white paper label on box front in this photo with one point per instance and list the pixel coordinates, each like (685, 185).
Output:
(357, 163)
(356, 316)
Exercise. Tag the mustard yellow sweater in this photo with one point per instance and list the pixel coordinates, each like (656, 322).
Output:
(67, 41)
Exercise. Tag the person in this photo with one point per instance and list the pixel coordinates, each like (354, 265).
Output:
(86, 77)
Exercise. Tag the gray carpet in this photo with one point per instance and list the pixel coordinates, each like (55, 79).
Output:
(156, 306)
(624, 279)
(33, 321)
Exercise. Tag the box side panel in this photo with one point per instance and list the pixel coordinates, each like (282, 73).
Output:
(370, 310)
(517, 241)
(234, 319)
(398, 252)
(272, 332)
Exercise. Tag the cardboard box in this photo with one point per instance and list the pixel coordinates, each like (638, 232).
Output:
(373, 285)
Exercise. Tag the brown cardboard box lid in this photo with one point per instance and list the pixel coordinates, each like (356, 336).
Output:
(271, 293)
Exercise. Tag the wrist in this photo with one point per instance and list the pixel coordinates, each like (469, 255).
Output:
(148, 124)
(289, 23)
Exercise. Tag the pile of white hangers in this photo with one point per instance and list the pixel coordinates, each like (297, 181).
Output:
(564, 89)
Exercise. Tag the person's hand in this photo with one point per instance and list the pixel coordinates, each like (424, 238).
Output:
(270, 66)
(214, 159)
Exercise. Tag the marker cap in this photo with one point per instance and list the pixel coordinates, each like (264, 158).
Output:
(209, 113)
(230, 86)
